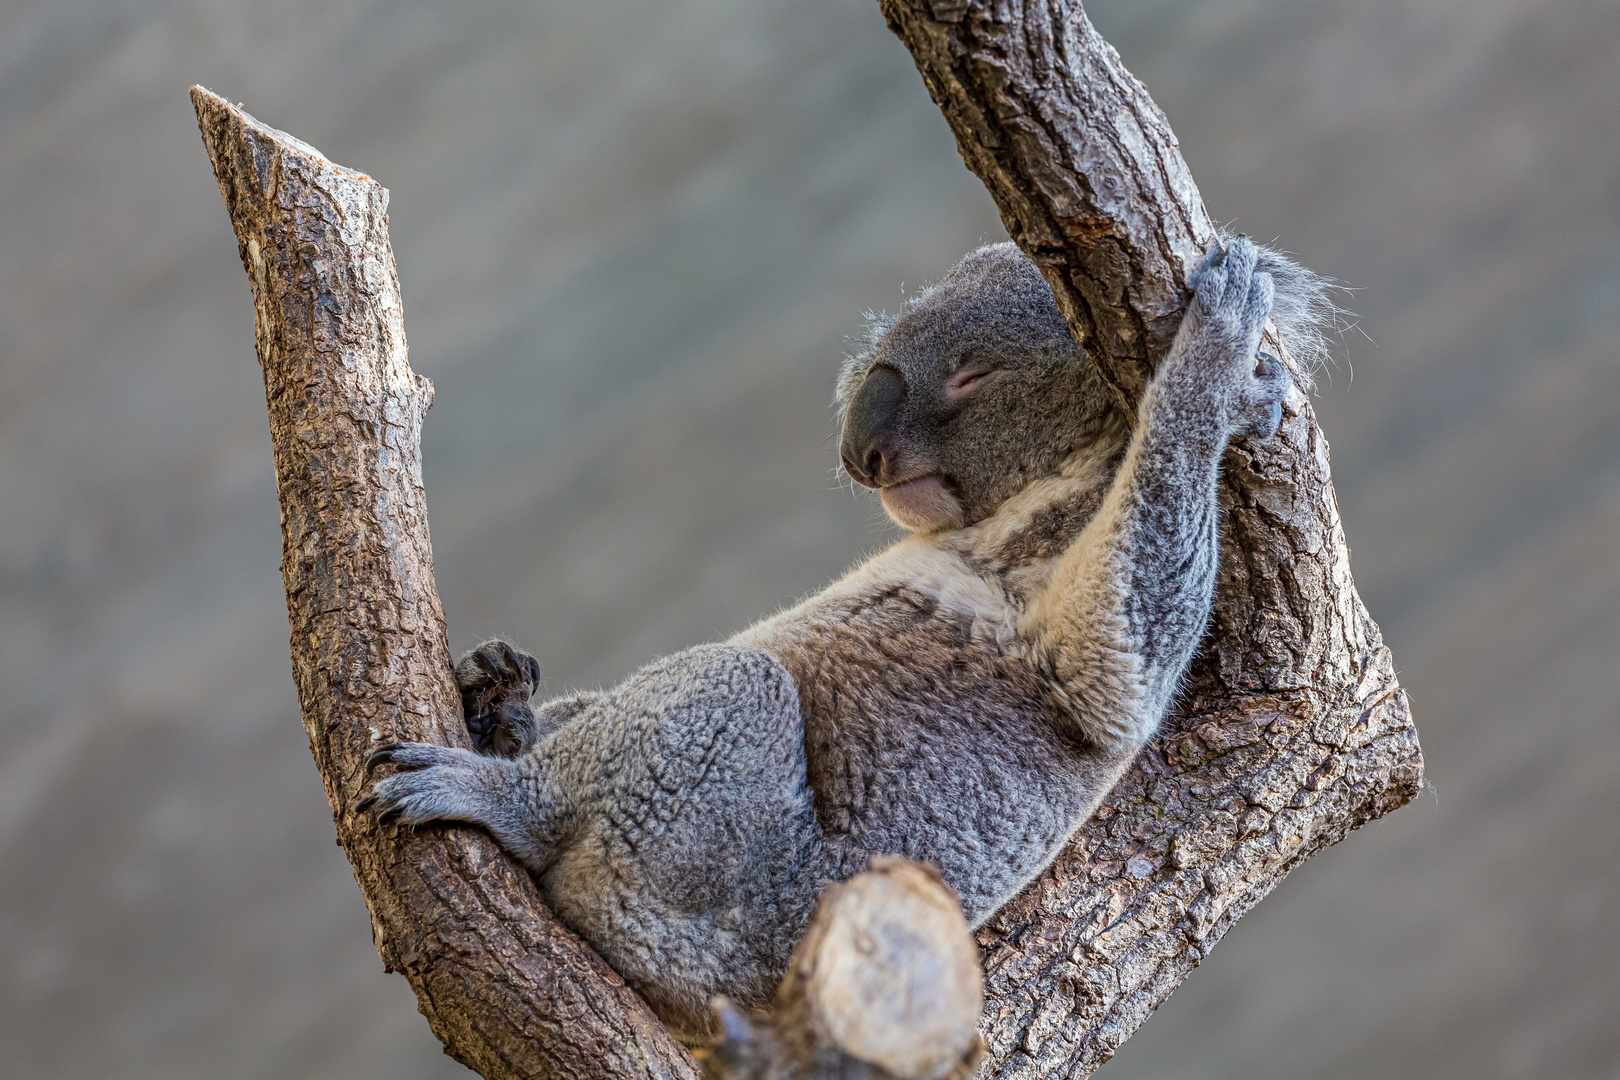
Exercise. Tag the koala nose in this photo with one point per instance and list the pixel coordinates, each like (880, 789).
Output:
(870, 431)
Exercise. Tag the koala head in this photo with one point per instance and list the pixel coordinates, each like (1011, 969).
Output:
(973, 390)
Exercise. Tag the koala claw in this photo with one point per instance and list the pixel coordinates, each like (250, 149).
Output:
(410, 755)
(389, 814)
(433, 783)
(383, 755)
(1263, 397)
(495, 665)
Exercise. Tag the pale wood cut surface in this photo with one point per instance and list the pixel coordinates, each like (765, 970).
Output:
(509, 990)
(885, 985)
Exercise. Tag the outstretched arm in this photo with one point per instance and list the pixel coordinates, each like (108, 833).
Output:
(1128, 602)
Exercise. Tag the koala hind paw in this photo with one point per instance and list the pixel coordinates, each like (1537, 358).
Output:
(496, 682)
(434, 784)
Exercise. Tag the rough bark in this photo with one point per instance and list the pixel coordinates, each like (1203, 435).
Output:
(508, 989)
(1292, 730)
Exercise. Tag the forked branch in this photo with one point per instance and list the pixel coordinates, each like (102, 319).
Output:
(1292, 731)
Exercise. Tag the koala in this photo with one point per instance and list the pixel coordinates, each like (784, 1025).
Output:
(966, 697)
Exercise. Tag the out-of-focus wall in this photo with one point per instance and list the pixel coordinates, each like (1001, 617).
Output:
(631, 238)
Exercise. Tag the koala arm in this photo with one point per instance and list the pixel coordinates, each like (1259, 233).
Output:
(1128, 601)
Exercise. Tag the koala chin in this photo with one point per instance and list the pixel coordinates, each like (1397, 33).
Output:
(967, 696)
(922, 504)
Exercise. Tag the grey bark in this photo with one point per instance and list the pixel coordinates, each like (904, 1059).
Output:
(1292, 731)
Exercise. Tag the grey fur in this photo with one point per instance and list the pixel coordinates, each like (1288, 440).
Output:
(966, 697)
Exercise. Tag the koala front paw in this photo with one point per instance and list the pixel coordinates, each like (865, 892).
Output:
(435, 783)
(1220, 340)
(496, 682)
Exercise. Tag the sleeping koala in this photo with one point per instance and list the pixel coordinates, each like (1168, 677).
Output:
(966, 697)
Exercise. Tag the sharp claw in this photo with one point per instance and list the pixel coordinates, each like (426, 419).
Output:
(367, 803)
(381, 756)
(392, 813)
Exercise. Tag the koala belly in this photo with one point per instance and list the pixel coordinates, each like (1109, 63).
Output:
(694, 862)
(945, 746)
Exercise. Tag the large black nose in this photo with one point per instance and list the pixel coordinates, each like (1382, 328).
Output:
(870, 427)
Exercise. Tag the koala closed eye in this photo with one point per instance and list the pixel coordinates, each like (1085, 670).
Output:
(966, 380)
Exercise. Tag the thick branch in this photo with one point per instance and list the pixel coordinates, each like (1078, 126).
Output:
(1293, 729)
(508, 989)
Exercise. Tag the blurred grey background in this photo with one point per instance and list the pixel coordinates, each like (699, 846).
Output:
(632, 236)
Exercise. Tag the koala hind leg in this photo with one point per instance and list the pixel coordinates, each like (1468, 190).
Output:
(695, 854)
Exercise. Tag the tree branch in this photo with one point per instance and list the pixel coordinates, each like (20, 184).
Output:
(1292, 730)
(1080, 160)
(507, 989)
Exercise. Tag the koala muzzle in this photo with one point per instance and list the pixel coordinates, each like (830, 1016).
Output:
(871, 427)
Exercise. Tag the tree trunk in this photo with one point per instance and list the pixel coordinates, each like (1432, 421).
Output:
(1292, 729)
(508, 989)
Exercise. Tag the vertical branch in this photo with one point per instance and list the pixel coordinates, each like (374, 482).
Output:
(508, 989)
(1081, 162)
(1292, 729)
